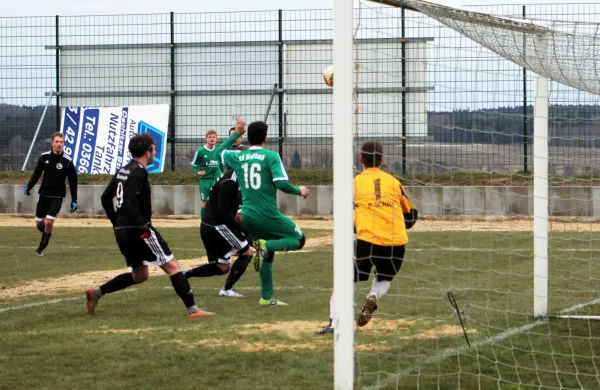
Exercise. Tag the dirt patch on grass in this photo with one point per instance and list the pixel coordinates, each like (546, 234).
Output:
(440, 332)
(428, 224)
(79, 282)
(302, 335)
(105, 330)
(176, 222)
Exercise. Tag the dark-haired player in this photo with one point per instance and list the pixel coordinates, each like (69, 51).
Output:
(223, 236)
(260, 173)
(382, 214)
(140, 243)
(56, 167)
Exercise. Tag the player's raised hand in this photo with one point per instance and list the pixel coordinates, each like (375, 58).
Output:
(304, 191)
(240, 125)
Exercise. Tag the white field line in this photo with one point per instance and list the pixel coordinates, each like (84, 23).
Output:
(82, 298)
(494, 339)
(54, 301)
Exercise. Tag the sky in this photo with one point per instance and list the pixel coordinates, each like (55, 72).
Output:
(111, 7)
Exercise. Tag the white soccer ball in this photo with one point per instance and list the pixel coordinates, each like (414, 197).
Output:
(328, 76)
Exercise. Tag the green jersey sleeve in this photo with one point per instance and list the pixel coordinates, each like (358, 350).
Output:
(228, 143)
(197, 159)
(228, 157)
(276, 166)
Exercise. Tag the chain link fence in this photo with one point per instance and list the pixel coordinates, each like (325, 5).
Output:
(437, 100)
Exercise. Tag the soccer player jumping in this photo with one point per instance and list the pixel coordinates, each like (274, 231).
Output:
(56, 167)
(260, 173)
(382, 215)
(140, 243)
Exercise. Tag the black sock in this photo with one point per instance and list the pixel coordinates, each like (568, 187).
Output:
(183, 289)
(119, 282)
(204, 271)
(269, 257)
(237, 270)
(44, 241)
(41, 228)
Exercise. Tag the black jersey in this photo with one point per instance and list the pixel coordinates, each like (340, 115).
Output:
(224, 202)
(131, 187)
(56, 168)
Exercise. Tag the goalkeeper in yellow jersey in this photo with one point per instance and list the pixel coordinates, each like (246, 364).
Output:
(382, 215)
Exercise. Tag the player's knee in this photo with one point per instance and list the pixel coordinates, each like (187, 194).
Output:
(140, 275)
(302, 242)
(48, 222)
(224, 268)
(171, 268)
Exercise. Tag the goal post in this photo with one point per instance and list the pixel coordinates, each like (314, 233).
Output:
(540, 196)
(343, 250)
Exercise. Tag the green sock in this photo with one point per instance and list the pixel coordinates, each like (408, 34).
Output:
(266, 280)
(283, 245)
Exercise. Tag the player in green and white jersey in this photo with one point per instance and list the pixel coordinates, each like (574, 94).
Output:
(260, 173)
(206, 162)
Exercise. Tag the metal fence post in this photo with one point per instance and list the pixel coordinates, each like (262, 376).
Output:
(403, 59)
(280, 81)
(525, 124)
(172, 111)
(57, 70)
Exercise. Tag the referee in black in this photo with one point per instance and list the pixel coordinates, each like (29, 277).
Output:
(140, 243)
(56, 167)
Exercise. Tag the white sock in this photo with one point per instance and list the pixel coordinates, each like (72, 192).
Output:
(332, 309)
(379, 289)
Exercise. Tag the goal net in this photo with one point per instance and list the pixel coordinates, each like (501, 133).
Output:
(499, 285)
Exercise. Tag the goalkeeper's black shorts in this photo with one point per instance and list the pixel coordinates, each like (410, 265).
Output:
(387, 260)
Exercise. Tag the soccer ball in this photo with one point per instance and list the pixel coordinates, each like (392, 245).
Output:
(328, 76)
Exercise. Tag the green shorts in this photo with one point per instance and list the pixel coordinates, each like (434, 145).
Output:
(205, 186)
(271, 227)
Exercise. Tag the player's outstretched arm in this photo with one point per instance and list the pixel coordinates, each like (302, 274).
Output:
(280, 177)
(240, 129)
(39, 168)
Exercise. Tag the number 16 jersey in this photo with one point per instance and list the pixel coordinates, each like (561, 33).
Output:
(257, 170)
(131, 187)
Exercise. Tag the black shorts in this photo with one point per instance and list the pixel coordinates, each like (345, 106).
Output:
(221, 242)
(387, 260)
(47, 207)
(151, 249)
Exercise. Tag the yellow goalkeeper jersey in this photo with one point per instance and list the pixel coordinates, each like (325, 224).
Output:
(379, 207)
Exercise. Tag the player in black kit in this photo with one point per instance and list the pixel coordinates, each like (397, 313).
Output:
(56, 167)
(223, 236)
(140, 243)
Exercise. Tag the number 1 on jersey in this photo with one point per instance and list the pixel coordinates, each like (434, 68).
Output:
(253, 174)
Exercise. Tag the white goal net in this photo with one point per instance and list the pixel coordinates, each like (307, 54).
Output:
(454, 110)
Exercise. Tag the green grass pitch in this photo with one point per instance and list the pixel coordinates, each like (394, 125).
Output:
(142, 338)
